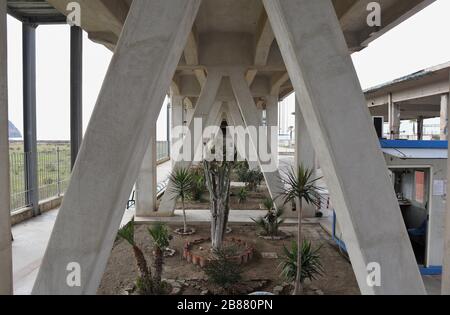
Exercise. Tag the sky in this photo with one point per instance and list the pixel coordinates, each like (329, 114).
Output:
(420, 42)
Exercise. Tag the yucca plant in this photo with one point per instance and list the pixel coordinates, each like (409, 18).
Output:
(300, 186)
(145, 285)
(182, 183)
(311, 266)
(243, 195)
(161, 239)
(223, 270)
(271, 222)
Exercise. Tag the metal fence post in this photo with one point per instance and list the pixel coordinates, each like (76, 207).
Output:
(58, 174)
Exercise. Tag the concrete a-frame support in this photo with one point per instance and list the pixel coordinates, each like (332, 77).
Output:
(76, 91)
(333, 106)
(247, 107)
(272, 125)
(206, 110)
(29, 115)
(112, 152)
(394, 118)
(147, 180)
(444, 116)
(6, 281)
(304, 152)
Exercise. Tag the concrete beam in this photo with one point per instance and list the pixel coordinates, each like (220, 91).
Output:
(339, 123)
(248, 108)
(6, 279)
(147, 180)
(76, 91)
(111, 155)
(304, 152)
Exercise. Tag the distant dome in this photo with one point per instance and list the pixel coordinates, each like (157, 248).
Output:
(14, 133)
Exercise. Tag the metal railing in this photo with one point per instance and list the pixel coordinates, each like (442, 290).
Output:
(54, 170)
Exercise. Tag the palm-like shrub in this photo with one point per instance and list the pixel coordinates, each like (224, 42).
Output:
(311, 267)
(242, 195)
(161, 239)
(144, 282)
(182, 183)
(271, 222)
(300, 186)
(251, 178)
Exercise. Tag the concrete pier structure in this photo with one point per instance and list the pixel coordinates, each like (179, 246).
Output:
(223, 51)
(6, 281)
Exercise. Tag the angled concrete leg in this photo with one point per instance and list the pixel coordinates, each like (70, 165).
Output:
(111, 155)
(6, 283)
(177, 121)
(235, 117)
(272, 125)
(206, 110)
(304, 152)
(147, 180)
(247, 108)
(333, 106)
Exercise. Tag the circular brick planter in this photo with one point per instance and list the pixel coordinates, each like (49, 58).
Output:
(181, 232)
(280, 237)
(202, 260)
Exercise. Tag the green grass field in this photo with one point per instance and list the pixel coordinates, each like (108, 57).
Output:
(53, 171)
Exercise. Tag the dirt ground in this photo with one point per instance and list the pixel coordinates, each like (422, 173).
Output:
(339, 279)
(253, 202)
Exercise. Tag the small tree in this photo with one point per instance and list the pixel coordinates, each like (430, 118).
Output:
(182, 183)
(300, 187)
(161, 239)
(145, 285)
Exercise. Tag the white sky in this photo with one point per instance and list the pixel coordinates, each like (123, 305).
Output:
(420, 42)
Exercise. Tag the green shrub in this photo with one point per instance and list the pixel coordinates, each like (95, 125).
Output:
(242, 195)
(311, 263)
(271, 222)
(224, 271)
(198, 184)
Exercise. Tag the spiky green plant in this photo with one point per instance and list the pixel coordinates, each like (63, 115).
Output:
(161, 239)
(271, 222)
(182, 183)
(300, 186)
(145, 284)
(242, 195)
(198, 184)
(311, 267)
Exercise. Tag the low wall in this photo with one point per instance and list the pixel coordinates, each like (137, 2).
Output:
(27, 213)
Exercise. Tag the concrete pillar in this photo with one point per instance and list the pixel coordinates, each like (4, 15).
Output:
(272, 125)
(29, 115)
(76, 91)
(304, 152)
(147, 180)
(446, 259)
(394, 119)
(206, 111)
(152, 42)
(444, 116)
(176, 102)
(420, 128)
(6, 281)
(247, 106)
(346, 144)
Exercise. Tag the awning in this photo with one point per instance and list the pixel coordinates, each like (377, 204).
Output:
(409, 153)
